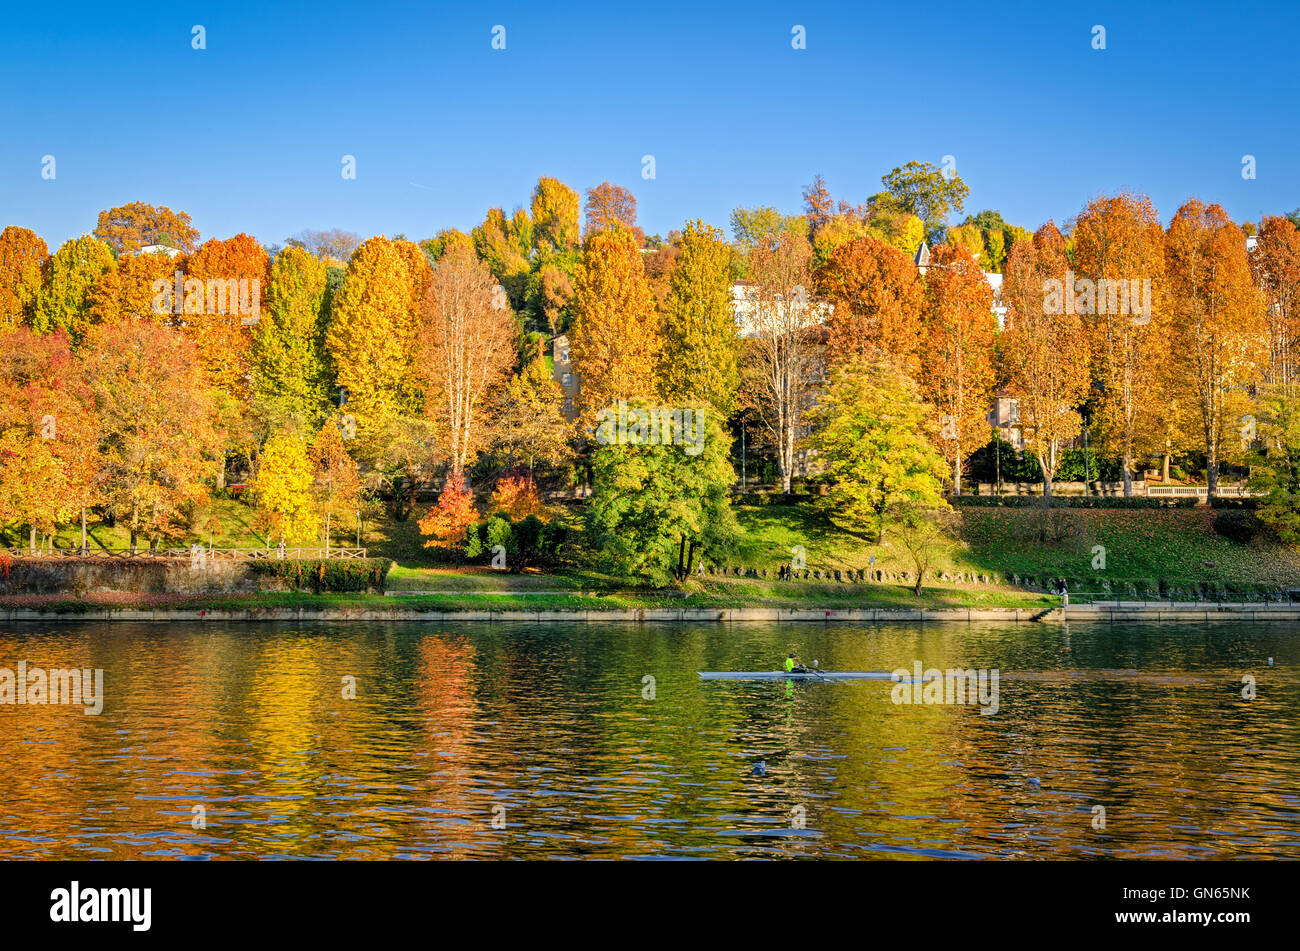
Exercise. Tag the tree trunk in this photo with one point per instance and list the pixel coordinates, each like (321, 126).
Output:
(956, 475)
(83, 529)
(1165, 467)
(31, 544)
(1127, 468)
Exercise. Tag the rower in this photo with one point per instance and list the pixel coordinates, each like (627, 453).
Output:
(792, 667)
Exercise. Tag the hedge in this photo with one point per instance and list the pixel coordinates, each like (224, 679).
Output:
(1072, 501)
(775, 498)
(335, 574)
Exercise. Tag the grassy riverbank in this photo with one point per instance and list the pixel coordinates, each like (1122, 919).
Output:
(1174, 554)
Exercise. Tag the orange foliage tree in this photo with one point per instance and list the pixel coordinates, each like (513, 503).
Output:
(48, 430)
(1276, 269)
(877, 295)
(158, 439)
(135, 225)
(450, 518)
(127, 290)
(1045, 352)
(956, 354)
(1119, 246)
(1219, 335)
(517, 497)
(212, 276)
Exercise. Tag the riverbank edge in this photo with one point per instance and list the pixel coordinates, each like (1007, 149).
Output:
(1136, 611)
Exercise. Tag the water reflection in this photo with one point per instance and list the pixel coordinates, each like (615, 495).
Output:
(529, 741)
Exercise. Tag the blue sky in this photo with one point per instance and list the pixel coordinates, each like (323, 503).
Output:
(248, 135)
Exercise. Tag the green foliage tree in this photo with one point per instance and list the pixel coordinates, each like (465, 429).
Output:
(64, 299)
(872, 432)
(922, 189)
(699, 360)
(1276, 469)
(288, 357)
(655, 508)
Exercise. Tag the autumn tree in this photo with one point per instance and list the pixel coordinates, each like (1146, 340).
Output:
(130, 227)
(336, 480)
(22, 256)
(753, 226)
(516, 497)
(128, 290)
(1045, 349)
(504, 244)
(1219, 334)
(283, 490)
(158, 438)
(64, 299)
(1275, 265)
(528, 420)
(290, 377)
(1119, 246)
(447, 522)
(780, 366)
(876, 292)
(333, 245)
(48, 431)
(957, 354)
(612, 206)
(371, 337)
(616, 338)
(222, 299)
(698, 364)
(465, 349)
(872, 435)
(818, 204)
(555, 215)
(444, 240)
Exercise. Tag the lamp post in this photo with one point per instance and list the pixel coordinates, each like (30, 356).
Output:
(1087, 465)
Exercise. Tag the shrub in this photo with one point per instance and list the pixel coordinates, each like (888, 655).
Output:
(448, 521)
(357, 574)
(1237, 524)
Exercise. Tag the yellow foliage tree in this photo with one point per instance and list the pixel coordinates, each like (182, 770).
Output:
(616, 338)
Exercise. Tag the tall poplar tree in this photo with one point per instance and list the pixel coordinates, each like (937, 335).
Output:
(1219, 333)
(616, 338)
(956, 353)
(699, 358)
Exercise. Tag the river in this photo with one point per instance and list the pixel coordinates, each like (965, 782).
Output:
(236, 741)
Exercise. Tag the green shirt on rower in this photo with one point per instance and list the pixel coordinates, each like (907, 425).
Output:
(789, 664)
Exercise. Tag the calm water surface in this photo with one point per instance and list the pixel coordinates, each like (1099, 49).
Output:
(545, 729)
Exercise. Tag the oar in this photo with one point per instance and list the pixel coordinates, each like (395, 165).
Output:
(817, 672)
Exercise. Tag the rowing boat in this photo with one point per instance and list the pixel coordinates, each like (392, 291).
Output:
(795, 675)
